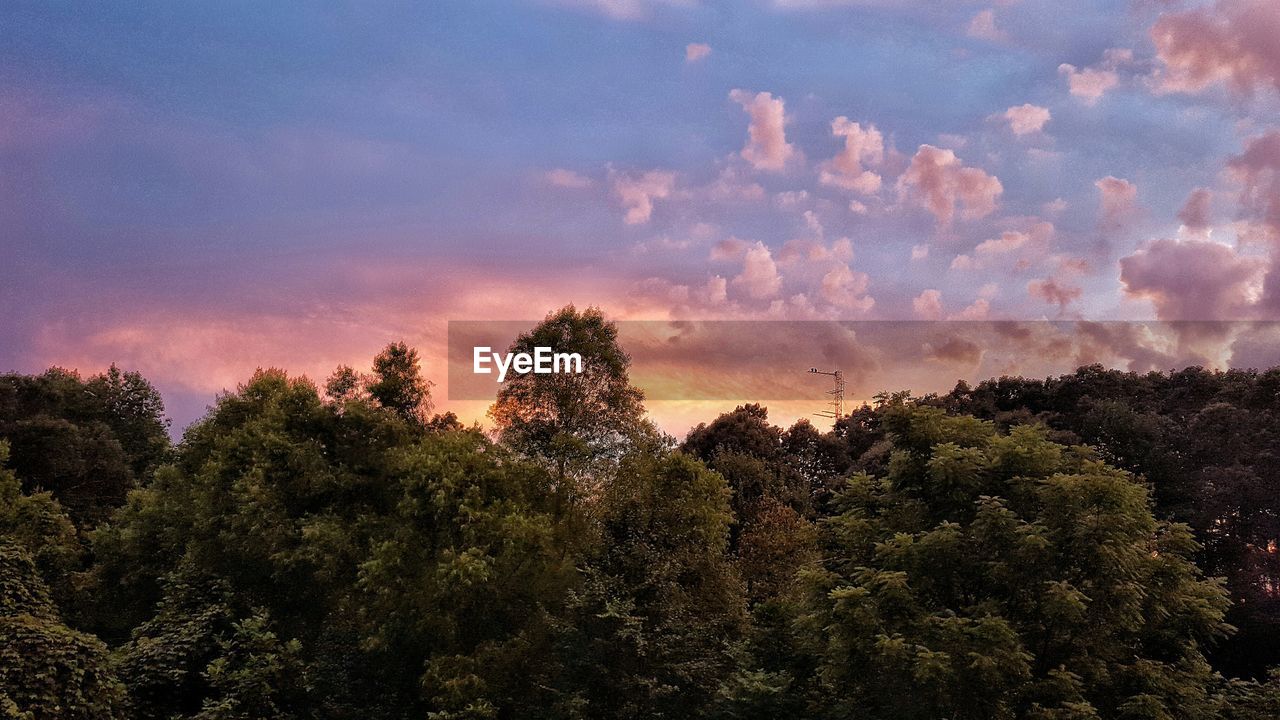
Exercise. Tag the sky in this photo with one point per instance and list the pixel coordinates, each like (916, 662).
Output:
(199, 190)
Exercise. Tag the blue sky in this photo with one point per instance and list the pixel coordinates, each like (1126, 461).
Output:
(200, 189)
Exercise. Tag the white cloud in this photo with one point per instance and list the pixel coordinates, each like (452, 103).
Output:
(862, 147)
(767, 147)
(1027, 119)
(759, 277)
(637, 193)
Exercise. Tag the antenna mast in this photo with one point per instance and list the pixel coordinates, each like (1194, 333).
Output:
(837, 395)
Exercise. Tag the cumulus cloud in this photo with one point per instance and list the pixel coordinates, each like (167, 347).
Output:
(1030, 245)
(983, 27)
(693, 52)
(767, 147)
(1196, 212)
(567, 178)
(977, 310)
(1233, 42)
(1054, 291)
(1091, 83)
(1027, 119)
(1118, 201)
(1006, 243)
(1257, 169)
(716, 290)
(759, 277)
(938, 180)
(731, 186)
(847, 289)
(928, 305)
(956, 350)
(862, 147)
(1192, 279)
(919, 252)
(637, 192)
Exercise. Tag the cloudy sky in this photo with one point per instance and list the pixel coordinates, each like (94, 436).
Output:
(199, 190)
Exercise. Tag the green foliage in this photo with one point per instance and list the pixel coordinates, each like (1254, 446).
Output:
(38, 524)
(573, 420)
(655, 622)
(86, 442)
(47, 670)
(256, 676)
(992, 576)
(1205, 441)
(397, 383)
(464, 572)
(164, 663)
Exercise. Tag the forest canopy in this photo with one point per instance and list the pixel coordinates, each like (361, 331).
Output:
(1097, 545)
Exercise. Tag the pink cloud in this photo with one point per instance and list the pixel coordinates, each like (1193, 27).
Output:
(1233, 42)
(1027, 119)
(1196, 212)
(1118, 198)
(567, 178)
(938, 180)
(717, 290)
(983, 27)
(625, 9)
(977, 310)
(847, 289)
(1192, 279)
(862, 146)
(637, 193)
(759, 277)
(767, 147)
(810, 250)
(928, 305)
(730, 248)
(1091, 83)
(693, 52)
(731, 186)
(1006, 243)
(1054, 291)
(1257, 169)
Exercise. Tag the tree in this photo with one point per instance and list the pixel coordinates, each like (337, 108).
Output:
(134, 410)
(397, 383)
(464, 577)
(47, 670)
(571, 419)
(652, 629)
(38, 524)
(1205, 441)
(993, 576)
(86, 442)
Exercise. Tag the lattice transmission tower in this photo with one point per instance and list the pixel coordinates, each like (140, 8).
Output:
(837, 394)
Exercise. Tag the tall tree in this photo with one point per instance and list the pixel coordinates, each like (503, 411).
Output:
(571, 419)
(87, 442)
(652, 630)
(397, 383)
(993, 576)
